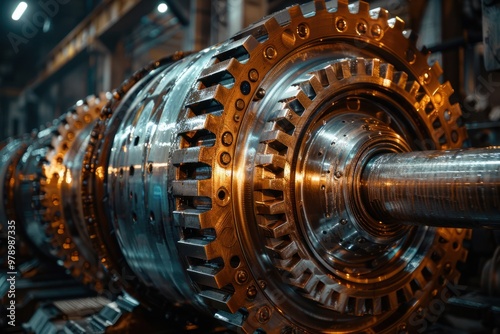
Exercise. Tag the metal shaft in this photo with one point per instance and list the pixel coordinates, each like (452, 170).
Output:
(456, 188)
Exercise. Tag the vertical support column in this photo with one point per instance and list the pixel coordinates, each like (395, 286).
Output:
(198, 34)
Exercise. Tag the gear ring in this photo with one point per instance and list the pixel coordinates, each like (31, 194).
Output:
(62, 222)
(273, 166)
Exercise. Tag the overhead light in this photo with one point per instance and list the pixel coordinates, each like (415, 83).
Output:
(162, 7)
(19, 11)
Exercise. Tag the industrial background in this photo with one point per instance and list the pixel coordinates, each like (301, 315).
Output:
(61, 51)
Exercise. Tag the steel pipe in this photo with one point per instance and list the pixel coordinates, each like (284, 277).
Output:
(454, 188)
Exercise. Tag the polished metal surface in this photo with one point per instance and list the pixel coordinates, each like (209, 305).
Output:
(456, 188)
(229, 180)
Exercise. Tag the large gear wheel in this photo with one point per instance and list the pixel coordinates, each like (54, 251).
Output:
(262, 250)
(236, 180)
(62, 218)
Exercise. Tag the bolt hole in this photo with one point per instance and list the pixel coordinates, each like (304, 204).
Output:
(455, 245)
(324, 232)
(121, 172)
(323, 187)
(151, 216)
(221, 195)
(235, 261)
(136, 141)
(134, 217)
(131, 170)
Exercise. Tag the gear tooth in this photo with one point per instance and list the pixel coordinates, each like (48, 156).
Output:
(396, 23)
(198, 247)
(345, 69)
(447, 89)
(191, 218)
(272, 161)
(360, 307)
(340, 303)
(271, 184)
(278, 229)
(218, 299)
(270, 207)
(359, 66)
(342, 6)
(379, 13)
(363, 7)
(400, 79)
(319, 5)
(436, 69)
(277, 139)
(413, 88)
(192, 188)
(411, 35)
(295, 12)
(316, 86)
(373, 67)
(272, 24)
(286, 120)
(305, 282)
(387, 71)
(207, 275)
(294, 266)
(330, 75)
(284, 249)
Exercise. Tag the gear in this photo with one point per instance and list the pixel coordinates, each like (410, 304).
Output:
(214, 213)
(60, 219)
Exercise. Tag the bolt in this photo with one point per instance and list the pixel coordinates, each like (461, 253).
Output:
(225, 158)
(262, 284)
(427, 77)
(361, 28)
(263, 314)
(447, 267)
(438, 98)
(240, 104)
(150, 168)
(376, 31)
(343, 221)
(303, 30)
(227, 138)
(253, 75)
(270, 52)
(338, 174)
(236, 117)
(251, 291)
(261, 92)
(241, 276)
(341, 24)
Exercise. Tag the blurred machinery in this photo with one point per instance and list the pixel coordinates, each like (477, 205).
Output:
(305, 176)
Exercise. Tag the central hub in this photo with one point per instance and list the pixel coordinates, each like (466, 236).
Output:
(327, 183)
